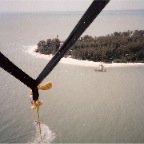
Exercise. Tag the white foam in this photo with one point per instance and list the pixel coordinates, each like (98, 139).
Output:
(68, 60)
(47, 136)
(31, 50)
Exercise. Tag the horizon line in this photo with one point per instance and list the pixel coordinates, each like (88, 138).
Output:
(67, 11)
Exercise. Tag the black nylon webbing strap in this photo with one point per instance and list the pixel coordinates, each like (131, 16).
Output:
(8, 66)
(92, 12)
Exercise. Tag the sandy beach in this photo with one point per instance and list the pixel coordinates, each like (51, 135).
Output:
(31, 50)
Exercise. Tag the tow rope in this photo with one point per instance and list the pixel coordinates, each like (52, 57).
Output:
(38, 121)
(36, 104)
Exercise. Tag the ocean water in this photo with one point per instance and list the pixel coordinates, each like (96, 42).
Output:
(83, 106)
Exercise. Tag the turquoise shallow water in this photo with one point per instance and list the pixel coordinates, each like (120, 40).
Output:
(83, 106)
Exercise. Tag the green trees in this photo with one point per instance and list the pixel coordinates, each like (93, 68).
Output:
(117, 47)
(49, 46)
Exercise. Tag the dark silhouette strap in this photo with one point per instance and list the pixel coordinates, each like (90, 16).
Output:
(11, 68)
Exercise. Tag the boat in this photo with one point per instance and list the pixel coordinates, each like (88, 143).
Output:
(101, 68)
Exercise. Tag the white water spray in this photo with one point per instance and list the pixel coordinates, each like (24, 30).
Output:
(47, 136)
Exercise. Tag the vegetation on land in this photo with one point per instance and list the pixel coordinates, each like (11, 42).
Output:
(119, 47)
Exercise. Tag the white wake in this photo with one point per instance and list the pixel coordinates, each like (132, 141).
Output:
(46, 136)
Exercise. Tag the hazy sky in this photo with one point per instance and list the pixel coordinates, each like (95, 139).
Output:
(64, 5)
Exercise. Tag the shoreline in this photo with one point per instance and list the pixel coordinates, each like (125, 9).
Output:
(31, 50)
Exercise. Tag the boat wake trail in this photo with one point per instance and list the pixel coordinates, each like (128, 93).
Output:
(46, 136)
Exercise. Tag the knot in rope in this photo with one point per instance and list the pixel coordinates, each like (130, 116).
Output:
(44, 86)
(36, 104)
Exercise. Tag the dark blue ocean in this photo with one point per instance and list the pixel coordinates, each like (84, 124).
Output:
(83, 106)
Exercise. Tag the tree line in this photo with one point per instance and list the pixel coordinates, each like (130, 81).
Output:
(116, 47)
